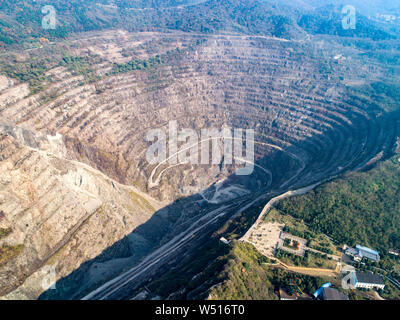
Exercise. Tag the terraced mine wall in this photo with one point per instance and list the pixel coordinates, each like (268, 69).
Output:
(308, 127)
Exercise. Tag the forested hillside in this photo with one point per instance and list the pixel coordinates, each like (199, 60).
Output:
(360, 208)
(21, 21)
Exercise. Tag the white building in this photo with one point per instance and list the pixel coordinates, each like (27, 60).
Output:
(367, 280)
(224, 241)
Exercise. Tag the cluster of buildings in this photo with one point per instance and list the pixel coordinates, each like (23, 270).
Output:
(354, 280)
(358, 280)
(364, 280)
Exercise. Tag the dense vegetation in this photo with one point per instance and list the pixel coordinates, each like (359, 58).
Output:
(80, 66)
(21, 21)
(137, 64)
(325, 21)
(32, 72)
(360, 208)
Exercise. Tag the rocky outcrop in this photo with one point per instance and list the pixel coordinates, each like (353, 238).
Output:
(61, 213)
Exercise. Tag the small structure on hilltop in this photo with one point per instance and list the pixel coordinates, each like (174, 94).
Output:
(292, 244)
(360, 252)
(339, 58)
(43, 40)
(224, 240)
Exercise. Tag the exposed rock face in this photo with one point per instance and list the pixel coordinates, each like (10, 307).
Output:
(61, 212)
(265, 84)
(69, 155)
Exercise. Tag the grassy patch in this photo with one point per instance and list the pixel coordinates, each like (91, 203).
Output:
(137, 64)
(317, 241)
(141, 202)
(310, 260)
(5, 232)
(81, 66)
(7, 253)
(248, 277)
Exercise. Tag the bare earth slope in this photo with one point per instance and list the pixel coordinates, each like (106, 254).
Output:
(60, 212)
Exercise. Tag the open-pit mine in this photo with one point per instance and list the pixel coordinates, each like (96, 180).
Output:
(77, 193)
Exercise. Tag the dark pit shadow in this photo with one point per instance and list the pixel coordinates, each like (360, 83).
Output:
(177, 217)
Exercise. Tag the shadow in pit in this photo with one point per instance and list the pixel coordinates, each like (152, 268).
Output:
(122, 255)
(158, 230)
(167, 223)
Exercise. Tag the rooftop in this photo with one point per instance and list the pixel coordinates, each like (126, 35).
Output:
(368, 277)
(333, 294)
(351, 251)
(285, 296)
(367, 250)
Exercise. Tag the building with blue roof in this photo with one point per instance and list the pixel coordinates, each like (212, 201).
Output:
(360, 252)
